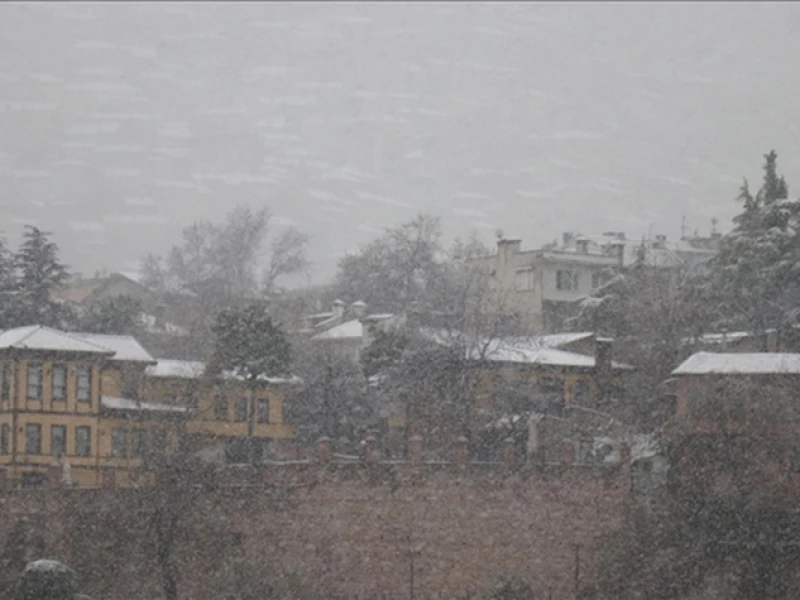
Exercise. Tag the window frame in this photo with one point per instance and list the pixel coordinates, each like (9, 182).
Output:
(192, 405)
(78, 445)
(220, 407)
(138, 442)
(34, 367)
(53, 429)
(524, 276)
(5, 439)
(58, 367)
(78, 388)
(570, 276)
(5, 380)
(240, 410)
(262, 415)
(29, 428)
(119, 442)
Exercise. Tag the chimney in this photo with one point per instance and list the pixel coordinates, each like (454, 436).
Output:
(506, 249)
(358, 309)
(566, 238)
(338, 309)
(603, 366)
(618, 250)
(582, 246)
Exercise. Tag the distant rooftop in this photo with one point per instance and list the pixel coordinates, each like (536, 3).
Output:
(763, 363)
(39, 337)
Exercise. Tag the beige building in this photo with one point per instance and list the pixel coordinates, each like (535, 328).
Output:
(536, 286)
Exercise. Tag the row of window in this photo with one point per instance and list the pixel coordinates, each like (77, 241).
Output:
(566, 280)
(83, 382)
(140, 439)
(58, 378)
(133, 443)
(241, 408)
(58, 439)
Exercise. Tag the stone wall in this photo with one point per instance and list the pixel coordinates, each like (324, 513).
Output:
(360, 529)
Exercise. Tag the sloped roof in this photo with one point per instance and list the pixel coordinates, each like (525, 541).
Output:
(761, 363)
(39, 337)
(184, 369)
(348, 329)
(193, 369)
(516, 350)
(125, 347)
(114, 403)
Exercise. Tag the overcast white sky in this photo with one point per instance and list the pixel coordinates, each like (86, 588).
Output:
(120, 124)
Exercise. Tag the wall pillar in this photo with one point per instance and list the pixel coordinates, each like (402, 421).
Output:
(462, 450)
(415, 449)
(324, 452)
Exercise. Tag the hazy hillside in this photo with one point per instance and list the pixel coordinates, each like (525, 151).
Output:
(122, 123)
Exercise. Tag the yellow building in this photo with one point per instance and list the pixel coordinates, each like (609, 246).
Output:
(85, 408)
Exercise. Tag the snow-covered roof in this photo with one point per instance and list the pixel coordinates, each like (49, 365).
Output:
(39, 337)
(515, 350)
(48, 565)
(193, 369)
(125, 347)
(763, 363)
(556, 340)
(658, 253)
(184, 369)
(720, 338)
(348, 329)
(114, 403)
(151, 325)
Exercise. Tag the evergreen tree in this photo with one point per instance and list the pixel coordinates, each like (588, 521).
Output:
(8, 287)
(249, 344)
(40, 274)
(754, 281)
(118, 315)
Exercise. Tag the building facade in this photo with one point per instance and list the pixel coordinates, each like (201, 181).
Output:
(88, 408)
(537, 286)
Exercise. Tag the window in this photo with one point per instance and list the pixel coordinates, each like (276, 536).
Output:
(158, 442)
(33, 438)
(221, 408)
(597, 279)
(5, 438)
(566, 280)
(583, 394)
(59, 382)
(83, 441)
(58, 440)
(191, 405)
(84, 384)
(524, 280)
(119, 442)
(33, 481)
(263, 411)
(5, 381)
(34, 381)
(137, 443)
(240, 414)
(169, 400)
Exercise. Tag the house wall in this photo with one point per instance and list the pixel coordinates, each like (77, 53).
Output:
(503, 297)
(109, 378)
(346, 530)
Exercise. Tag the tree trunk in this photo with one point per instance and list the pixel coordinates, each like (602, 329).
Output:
(166, 524)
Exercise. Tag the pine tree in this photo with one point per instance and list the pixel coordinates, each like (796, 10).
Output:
(8, 287)
(249, 344)
(118, 315)
(40, 274)
(754, 281)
